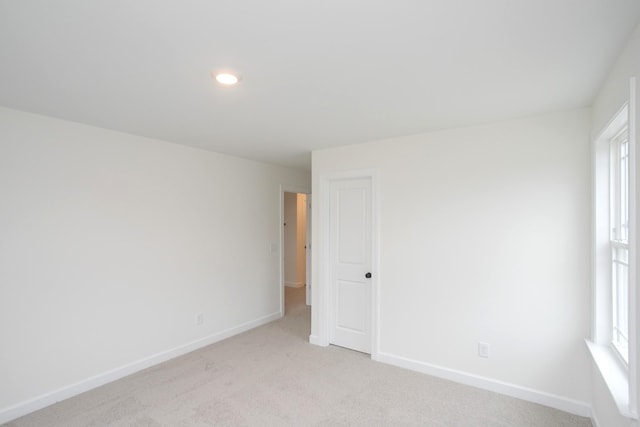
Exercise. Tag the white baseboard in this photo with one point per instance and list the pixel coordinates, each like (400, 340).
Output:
(44, 400)
(294, 284)
(582, 409)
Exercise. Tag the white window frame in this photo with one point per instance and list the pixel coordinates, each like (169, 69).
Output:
(619, 238)
(619, 375)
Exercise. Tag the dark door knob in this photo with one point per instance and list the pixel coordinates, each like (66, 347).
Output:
(368, 275)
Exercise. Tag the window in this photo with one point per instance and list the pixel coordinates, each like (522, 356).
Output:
(619, 240)
(613, 343)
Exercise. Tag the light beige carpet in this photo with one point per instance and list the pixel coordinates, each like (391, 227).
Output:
(271, 376)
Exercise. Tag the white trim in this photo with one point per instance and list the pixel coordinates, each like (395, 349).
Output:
(614, 375)
(309, 251)
(44, 400)
(601, 257)
(322, 246)
(633, 251)
(600, 235)
(572, 406)
(622, 382)
(375, 257)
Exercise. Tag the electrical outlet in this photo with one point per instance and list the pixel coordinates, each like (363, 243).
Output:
(199, 319)
(483, 349)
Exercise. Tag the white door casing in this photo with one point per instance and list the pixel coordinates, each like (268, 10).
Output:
(351, 260)
(308, 251)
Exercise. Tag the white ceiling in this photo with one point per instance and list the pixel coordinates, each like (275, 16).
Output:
(314, 73)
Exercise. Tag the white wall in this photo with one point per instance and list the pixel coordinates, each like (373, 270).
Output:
(294, 239)
(301, 237)
(110, 246)
(484, 236)
(613, 94)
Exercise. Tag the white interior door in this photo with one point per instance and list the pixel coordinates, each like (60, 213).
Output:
(351, 257)
(308, 248)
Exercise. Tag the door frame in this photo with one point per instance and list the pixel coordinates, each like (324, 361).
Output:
(285, 188)
(323, 291)
(309, 252)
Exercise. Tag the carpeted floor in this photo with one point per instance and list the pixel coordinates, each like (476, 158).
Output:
(271, 376)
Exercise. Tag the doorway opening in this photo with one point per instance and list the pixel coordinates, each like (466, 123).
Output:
(295, 251)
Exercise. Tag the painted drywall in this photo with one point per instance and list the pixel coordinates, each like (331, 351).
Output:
(611, 97)
(112, 244)
(484, 236)
(604, 410)
(615, 88)
(301, 239)
(294, 239)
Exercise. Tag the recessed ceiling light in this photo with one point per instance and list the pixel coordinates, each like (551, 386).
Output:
(226, 79)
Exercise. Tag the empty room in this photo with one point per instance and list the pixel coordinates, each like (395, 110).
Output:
(324, 213)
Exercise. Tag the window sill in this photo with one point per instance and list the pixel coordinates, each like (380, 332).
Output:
(615, 376)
